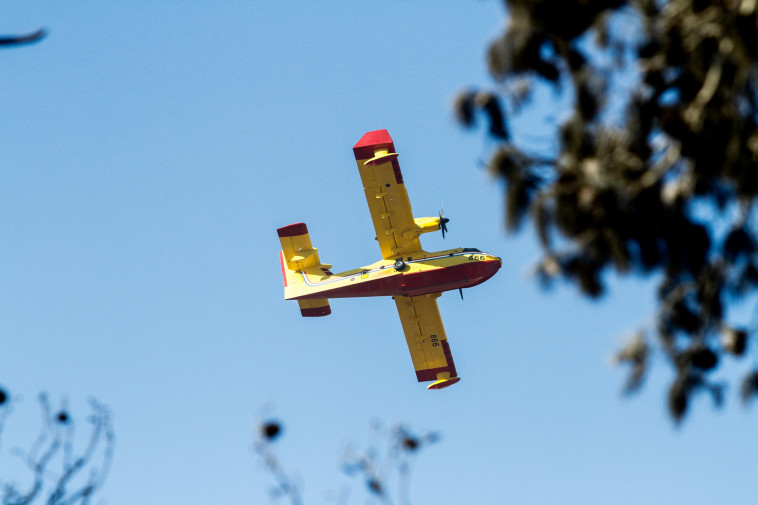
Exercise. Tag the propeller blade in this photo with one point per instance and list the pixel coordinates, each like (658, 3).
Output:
(443, 222)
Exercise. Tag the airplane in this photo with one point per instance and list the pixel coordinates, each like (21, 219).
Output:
(414, 278)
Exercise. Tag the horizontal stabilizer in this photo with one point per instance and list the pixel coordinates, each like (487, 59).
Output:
(303, 254)
(316, 307)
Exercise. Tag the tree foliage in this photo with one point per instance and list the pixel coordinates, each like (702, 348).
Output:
(655, 170)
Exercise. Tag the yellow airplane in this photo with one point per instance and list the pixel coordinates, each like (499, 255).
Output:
(413, 277)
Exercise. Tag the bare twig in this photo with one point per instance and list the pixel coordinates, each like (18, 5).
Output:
(55, 442)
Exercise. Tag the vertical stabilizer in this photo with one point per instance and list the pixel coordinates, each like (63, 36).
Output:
(298, 257)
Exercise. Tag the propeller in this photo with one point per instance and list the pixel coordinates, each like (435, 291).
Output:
(443, 221)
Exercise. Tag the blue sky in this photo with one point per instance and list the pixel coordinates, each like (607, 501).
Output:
(151, 149)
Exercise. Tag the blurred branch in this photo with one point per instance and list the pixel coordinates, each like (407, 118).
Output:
(58, 475)
(17, 40)
(268, 433)
(377, 466)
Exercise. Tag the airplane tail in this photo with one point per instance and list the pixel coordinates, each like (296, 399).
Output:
(300, 261)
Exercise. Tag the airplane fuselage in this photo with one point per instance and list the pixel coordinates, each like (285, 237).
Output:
(420, 274)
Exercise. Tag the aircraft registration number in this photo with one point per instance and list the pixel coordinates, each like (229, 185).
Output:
(435, 340)
(477, 257)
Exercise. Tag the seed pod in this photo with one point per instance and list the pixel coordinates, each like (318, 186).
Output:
(271, 430)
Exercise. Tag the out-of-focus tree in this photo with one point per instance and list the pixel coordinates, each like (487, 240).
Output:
(384, 466)
(654, 169)
(58, 472)
(17, 40)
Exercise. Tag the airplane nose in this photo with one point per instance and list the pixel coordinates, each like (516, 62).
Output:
(494, 264)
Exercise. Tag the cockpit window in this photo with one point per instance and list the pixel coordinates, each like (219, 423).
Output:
(470, 249)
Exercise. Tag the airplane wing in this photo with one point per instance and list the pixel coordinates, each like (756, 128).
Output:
(426, 339)
(387, 198)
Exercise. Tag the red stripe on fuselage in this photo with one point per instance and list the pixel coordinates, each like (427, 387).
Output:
(414, 284)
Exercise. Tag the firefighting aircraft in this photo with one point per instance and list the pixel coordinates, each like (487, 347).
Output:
(413, 277)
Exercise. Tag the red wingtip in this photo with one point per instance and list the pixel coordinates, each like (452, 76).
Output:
(443, 383)
(377, 139)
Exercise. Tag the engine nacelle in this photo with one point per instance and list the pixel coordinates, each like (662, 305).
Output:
(423, 225)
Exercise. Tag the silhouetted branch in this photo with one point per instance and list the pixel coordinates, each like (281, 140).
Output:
(17, 40)
(6, 407)
(285, 485)
(67, 484)
(377, 467)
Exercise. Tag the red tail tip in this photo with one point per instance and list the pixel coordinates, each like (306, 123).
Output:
(292, 230)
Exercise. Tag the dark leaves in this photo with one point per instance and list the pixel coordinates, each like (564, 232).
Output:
(749, 387)
(586, 272)
(521, 182)
(587, 101)
(701, 357)
(688, 244)
(467, 103)
(684, 388)
(490, 105)
(678, 398)
(520, 51)
(734, 341)
(738, 244)
(636, 354)
(648, 48)
(464, 108)
(681, 317)
(667, 189)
